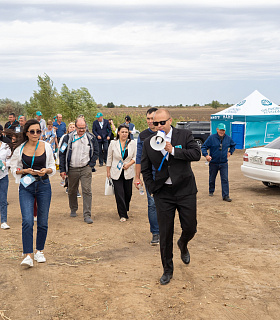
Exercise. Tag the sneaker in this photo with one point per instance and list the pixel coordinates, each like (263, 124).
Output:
(123, 219)
(4, 226)
(27, 261)
(78, 195)
(88, 220)
(155, 240)
(73, 214)
(211, 194)
(66, 190)
(39, 257)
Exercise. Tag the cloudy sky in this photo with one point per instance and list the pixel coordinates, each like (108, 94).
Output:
(142, 51)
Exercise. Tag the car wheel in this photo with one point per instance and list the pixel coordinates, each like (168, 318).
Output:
(199, 142)
(270, 185)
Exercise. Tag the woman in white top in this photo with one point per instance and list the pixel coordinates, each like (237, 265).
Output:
(5, 153)
(32, 163)
(120, 167)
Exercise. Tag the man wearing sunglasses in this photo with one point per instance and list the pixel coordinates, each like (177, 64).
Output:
(221, 147)
(173, 187)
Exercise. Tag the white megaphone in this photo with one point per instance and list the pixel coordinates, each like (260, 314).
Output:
(158, 142)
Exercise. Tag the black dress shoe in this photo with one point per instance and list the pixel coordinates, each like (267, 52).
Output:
(185, 255)
(227, 198)
(165, 279)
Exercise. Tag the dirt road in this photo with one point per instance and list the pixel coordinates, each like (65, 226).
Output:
(108, 270)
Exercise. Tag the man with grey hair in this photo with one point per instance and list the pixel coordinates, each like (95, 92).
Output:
(22, 121)
(77, 158)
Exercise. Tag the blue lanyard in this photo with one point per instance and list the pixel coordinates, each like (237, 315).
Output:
(123, 150)
(11, 125)
(74, 140)
(159, 168)
(33, 158)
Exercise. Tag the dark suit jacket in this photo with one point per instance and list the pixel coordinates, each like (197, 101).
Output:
(178, 167)
(104, 132)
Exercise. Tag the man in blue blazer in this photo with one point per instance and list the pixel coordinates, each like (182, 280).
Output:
(173, 187)
(102, 130)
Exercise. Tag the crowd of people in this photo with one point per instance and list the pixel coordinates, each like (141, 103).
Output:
(35, 149)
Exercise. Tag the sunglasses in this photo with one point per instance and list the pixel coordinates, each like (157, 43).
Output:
(162, 123)
(35, 132)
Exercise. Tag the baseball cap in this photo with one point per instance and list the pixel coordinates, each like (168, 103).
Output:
(99, 114)
(221, 126)
(39, 113)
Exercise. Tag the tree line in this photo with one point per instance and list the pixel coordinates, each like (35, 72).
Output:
(69, 102)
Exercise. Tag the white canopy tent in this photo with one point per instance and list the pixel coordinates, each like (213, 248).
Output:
(254, 121)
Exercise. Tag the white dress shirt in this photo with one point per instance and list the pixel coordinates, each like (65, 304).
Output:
(163, 151)
(80, 152)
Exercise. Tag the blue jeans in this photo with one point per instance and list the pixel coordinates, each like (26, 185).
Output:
(103, 150)
(4, 183)
(213, 171)
(42, 191)
(152, 214)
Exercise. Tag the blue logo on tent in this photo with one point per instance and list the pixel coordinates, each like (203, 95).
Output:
(241, 103)
(266, 102)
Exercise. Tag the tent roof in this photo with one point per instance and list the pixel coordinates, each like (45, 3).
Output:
(254, 104)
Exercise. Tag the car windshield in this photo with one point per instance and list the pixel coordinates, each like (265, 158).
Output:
(275, 144)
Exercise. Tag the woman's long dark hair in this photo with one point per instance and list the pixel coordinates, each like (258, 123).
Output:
(126, 127)
(23, 137)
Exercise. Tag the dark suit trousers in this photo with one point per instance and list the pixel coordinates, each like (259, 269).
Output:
(103, 151)
(123, 193)
(166, 203)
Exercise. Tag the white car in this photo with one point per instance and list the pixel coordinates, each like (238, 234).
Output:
(263, 163)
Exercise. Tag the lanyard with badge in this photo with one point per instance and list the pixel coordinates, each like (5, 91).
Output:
(120, 164)
(29, 178)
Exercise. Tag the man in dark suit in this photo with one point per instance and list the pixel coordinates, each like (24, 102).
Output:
(173, 187)
(102, 130)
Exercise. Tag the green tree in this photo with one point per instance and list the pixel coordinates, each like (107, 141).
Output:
(110, 105)
(45, 99)
(215, 104)
(7, 106)
(73, 102)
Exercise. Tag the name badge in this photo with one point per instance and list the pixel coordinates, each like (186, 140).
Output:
(178, 147)
(27, 180)
(120, 164)
(63, 147)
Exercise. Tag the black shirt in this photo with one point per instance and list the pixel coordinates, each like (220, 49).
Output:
(12, 126)
(39, 161)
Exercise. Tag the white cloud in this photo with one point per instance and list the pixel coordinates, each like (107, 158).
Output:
(205, 3)
(155, 42)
